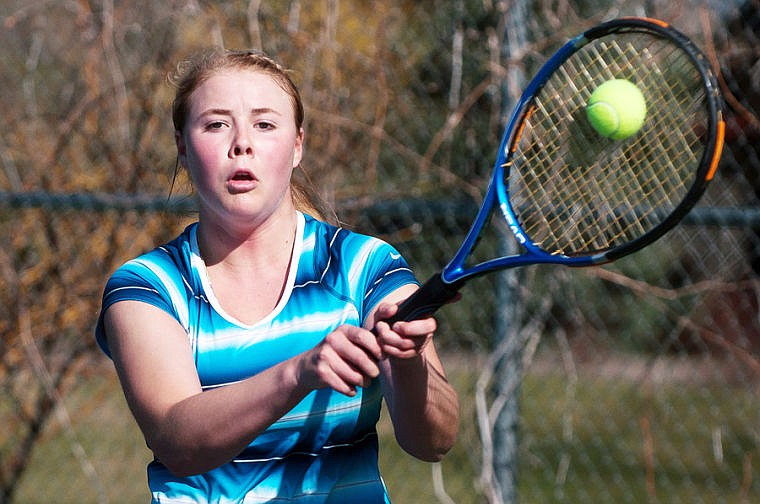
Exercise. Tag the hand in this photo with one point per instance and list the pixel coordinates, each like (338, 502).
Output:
(403, 340)
(345, 359)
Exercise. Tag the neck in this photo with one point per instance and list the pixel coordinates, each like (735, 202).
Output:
(271, 240)
(248, 274)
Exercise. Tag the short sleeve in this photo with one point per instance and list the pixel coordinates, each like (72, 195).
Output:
(386, 271)
(143, 280)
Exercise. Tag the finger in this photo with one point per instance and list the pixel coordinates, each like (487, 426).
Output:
(332, 370)
(345, 379)
(399, 353)
(415, 328)
(335, 382)
(360, 338)
(362, 350)
(357, 348)
(388, 338)
(404, 347)
(386, 310)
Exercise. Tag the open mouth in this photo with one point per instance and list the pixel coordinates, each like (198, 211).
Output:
(243, 176)
(242, 181)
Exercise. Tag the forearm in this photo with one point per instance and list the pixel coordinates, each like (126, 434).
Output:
(210, 428)
(205, 430)
(191, 431)
(423, 405)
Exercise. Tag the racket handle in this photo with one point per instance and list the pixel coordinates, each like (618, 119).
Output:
(424, 302)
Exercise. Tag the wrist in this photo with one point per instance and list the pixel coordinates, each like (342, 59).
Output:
(296, 375)
(417, 361)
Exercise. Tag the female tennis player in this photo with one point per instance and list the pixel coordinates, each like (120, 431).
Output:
(251, 348)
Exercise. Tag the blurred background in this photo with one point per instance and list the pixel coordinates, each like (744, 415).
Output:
(632, 382)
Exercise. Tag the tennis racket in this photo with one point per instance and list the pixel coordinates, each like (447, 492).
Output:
(573, 197)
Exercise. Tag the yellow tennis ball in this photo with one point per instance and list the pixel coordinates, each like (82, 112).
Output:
(617, 109)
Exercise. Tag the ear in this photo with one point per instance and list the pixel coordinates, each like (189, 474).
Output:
(179, 140)
(298, 149)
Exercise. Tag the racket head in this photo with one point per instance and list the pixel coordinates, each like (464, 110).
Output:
(571, 196)
(574, 197)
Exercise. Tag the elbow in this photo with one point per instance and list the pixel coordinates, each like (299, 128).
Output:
(179, 470)
(432, 451)
(435, 455)
(445, 444)
(188, 448)
(183, 464)
(431, 445)
(183, 459)
(184, 471)
(179, 461)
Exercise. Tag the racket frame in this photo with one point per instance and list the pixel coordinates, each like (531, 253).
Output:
(444, 286)
(497, 194)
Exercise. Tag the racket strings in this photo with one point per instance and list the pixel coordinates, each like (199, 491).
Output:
(577, 193)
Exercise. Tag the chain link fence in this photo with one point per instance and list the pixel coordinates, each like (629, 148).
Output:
(633, 382)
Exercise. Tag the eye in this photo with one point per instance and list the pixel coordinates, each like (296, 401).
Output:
(215, 125)
(264, 125)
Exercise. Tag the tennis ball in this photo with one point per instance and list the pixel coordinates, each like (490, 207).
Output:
(616, 109)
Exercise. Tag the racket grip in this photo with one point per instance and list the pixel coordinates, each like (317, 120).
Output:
(424, 302)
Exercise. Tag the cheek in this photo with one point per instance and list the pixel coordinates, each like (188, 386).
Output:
(199, 165)
(201, 155)
(202, 152)
(278, 156)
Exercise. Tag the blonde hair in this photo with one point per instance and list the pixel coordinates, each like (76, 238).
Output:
(192, 73)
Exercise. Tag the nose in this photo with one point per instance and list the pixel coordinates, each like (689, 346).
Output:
(241, 145)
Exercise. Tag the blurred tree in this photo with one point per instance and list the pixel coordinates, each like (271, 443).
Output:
(86, 101)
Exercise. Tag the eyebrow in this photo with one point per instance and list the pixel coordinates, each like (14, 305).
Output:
(255, 111)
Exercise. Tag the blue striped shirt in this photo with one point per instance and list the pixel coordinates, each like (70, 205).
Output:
(325, 449)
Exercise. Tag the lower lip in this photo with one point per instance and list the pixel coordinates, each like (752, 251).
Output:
(238, 186)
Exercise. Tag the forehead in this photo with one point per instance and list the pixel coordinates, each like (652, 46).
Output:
(239, 87)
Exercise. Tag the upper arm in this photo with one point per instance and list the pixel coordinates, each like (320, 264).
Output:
(153, 359)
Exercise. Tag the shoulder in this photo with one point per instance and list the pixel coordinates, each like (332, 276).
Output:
(161, 277)
(166, 272)
(361, 267)
(176, 254)
(349, 246)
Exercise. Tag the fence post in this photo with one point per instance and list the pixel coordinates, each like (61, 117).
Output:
(506, 384)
